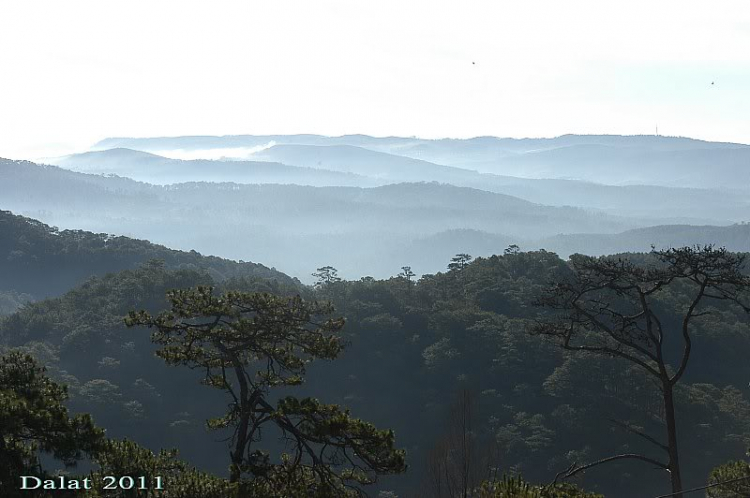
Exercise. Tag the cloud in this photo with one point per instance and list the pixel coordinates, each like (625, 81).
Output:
(225, 154)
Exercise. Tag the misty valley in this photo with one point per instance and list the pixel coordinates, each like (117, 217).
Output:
(307, 315)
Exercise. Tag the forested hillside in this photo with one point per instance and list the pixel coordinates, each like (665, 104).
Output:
(418, 350)
(44, 261)
(300, 228)
(734, 237)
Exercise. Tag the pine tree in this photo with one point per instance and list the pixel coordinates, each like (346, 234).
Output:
(249, 343)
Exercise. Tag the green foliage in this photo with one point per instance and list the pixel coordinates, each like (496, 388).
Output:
(43, 261)
(618, 308)
(730, 480)
(547, 409)
(247, 344)
(239, 329)
(33, 419)
(516, 487)
(459, 262)
(406, 273)
(333, 426)
(126, 458)
(113, 373)
(406, 351)
(326, 275)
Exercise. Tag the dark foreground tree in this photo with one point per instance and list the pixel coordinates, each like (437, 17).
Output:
(33, 419)
(612, 307)
(249, 343)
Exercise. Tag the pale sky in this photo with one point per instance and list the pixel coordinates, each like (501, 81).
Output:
(74, 72)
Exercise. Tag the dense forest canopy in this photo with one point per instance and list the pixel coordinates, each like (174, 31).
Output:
(414, 346)
(44, 261)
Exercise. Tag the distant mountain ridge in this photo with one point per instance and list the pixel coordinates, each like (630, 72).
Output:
(608, 159)
(511, 144)
(298, 228)
(360, 160)
(152, 168)
(432, 203)
(348, 165)
(723, 168)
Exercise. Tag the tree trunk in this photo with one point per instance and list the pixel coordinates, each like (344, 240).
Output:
(238, 454)
(674, 459)
(239, 449)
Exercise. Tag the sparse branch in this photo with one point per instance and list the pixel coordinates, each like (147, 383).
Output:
(637, 432)
(576, 469)
(617, 337)
(605, 351)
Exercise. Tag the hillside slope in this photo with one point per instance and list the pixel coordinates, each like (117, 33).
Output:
(43, 261)
(298, 228)
(726, 168)
(301, 228)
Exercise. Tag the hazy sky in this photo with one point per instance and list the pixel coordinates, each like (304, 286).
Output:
(73, 72)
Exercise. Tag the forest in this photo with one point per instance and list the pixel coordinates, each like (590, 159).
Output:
(517, 374)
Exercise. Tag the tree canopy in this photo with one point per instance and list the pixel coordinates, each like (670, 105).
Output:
(247, 344)
(34, 420)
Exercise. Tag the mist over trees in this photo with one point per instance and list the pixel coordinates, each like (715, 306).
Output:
(293, 201)
(346, 316)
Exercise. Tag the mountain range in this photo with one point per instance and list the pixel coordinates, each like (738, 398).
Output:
(610, 159)
(302, 202)
(351, 165)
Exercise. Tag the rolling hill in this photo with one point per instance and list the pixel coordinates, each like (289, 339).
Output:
(298, 228)
(610, 159)
(147, 167)
(361, 231)
(436, 250)
(733, 237)
(44, 261)
(725, 168)
(662, 179)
